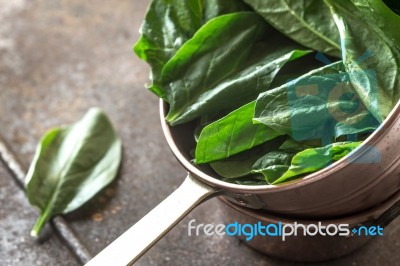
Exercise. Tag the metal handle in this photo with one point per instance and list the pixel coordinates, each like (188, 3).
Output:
(132, 244)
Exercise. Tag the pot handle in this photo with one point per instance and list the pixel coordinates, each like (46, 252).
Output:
(138, 239)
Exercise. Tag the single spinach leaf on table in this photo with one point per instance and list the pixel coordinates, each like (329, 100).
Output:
(307, 22)
(313, 159)
(321, 104)
(71, 165)
(226, 64)
(371, 51)
(232, 134)
(169, 24)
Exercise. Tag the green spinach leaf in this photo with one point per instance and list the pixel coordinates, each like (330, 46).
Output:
(313, 159)
(71, 165)
(214, 8)
(279, 166)
(308, 22)
(169, 24)
(232, 134)
(318, 105)
(273, 165)
(236, 166)
(241, 164)
(224, 66)
(372, 32)
(248, 180)
(291, 145)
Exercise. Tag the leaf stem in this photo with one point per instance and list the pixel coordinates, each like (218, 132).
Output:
(40, 223)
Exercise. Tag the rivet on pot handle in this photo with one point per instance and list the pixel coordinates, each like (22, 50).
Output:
(132, 244)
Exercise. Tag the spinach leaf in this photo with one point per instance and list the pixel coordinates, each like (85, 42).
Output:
(247, 181)
(169, 24)
(371, 52)
(311, 160)
(279, 166)
(238, 165)
(307, 22)
(232, 134)
(215, 8)
(224, 66)
(292, 145)
(241, 164)
(273, 165)
(318, 105)
(71, 165)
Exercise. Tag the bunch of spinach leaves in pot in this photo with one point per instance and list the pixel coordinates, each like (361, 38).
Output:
(229, 61)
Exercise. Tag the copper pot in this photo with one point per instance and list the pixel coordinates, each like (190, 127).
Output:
(367, 177)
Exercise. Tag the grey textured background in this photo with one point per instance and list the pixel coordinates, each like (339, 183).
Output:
(57, 59)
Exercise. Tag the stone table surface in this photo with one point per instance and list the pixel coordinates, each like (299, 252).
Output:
(57, 59)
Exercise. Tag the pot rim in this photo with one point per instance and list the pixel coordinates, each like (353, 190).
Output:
(354, 219)
(317, 176)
